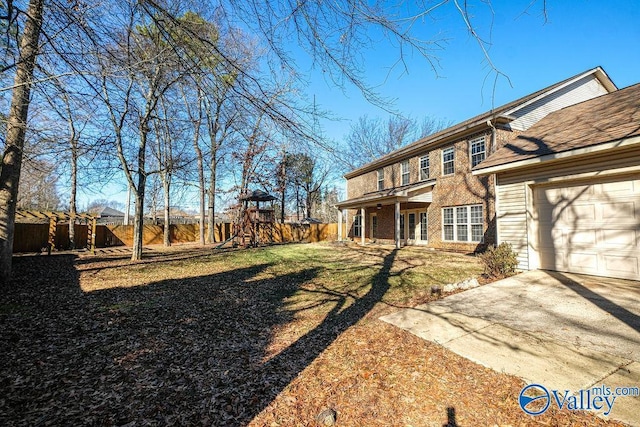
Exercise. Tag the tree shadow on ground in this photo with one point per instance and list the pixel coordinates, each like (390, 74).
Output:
(188, 351)
(601, 301)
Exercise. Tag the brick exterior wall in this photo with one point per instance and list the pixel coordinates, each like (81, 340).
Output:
(458, 189)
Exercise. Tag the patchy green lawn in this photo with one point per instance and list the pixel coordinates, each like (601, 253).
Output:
(261, 337)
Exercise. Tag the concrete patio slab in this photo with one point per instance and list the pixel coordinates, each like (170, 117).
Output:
(536, 360)
(567, 332)
(440, 326)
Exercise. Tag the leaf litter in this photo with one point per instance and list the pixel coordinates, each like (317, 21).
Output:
(263, 337)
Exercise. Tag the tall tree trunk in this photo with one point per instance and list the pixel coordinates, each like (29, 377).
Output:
(73, 139)
(201, 183)
(138, 221)
(138, 226)
(72, 198)
(16, 127)
(298, 202)
(282, 199)
(203, 197)
(212, 193)
(166, 186)
(308, 204)
(283, 185)
(202, 190)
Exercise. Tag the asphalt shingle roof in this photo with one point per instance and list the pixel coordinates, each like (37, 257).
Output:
(606, 118)
(481, 118)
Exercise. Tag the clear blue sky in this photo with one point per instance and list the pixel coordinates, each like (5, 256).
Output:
(577, 36)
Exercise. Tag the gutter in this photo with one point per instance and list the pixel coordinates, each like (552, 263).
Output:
(611, 145)
(429, 142)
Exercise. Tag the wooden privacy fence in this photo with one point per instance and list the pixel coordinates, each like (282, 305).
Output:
(34, 237)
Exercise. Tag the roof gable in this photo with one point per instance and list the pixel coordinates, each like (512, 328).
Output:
(607, 118)
(586, 86)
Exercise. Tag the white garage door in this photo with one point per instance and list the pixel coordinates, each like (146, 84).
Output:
(591, 228)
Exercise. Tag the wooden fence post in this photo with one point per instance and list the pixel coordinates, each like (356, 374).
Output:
(93, 235)
(51, 243)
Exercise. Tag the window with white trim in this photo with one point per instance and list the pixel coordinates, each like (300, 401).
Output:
(404, 170)
(462, 224)
(477, 150)
(447, 224)
(374, 226)
(476, 223)
(412, 226)
(424, 230)
(357, 226)
(424, 167)
(380, 179)
(401, 226)
(448, 158)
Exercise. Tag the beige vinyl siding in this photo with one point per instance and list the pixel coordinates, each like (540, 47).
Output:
(581, 90)
(512, 219)
(626, 159)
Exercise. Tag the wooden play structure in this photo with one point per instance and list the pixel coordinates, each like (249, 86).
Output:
(252, 220)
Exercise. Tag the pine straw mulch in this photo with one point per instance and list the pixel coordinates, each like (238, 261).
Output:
(262, 337)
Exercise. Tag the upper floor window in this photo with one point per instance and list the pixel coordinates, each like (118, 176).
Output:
(448, 161)
(404, 170)
(380, 179)
(424, 167)
(477, 150)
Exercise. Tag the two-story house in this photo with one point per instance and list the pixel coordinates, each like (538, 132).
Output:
(426, 193)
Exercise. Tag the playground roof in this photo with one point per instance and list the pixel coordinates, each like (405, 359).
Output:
(259, 196)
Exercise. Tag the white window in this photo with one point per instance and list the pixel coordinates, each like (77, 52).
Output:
(462, 224)
(476, 150)
(447, 224)
(412, 226)
(448, 161)
(476, 224)
(404, 169)
(401, 226)
(424, 167)
(424, 231)
(357, 226)
(380, 179)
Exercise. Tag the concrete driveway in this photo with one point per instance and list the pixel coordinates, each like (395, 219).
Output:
(560, 330)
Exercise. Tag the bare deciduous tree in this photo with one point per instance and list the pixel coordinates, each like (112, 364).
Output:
(371, 138)
(16, 129)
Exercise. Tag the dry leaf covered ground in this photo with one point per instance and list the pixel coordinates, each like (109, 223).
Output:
(260, 337)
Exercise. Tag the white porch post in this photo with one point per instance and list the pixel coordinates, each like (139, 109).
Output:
(362, 225)
(339, 225)
(397, 225)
